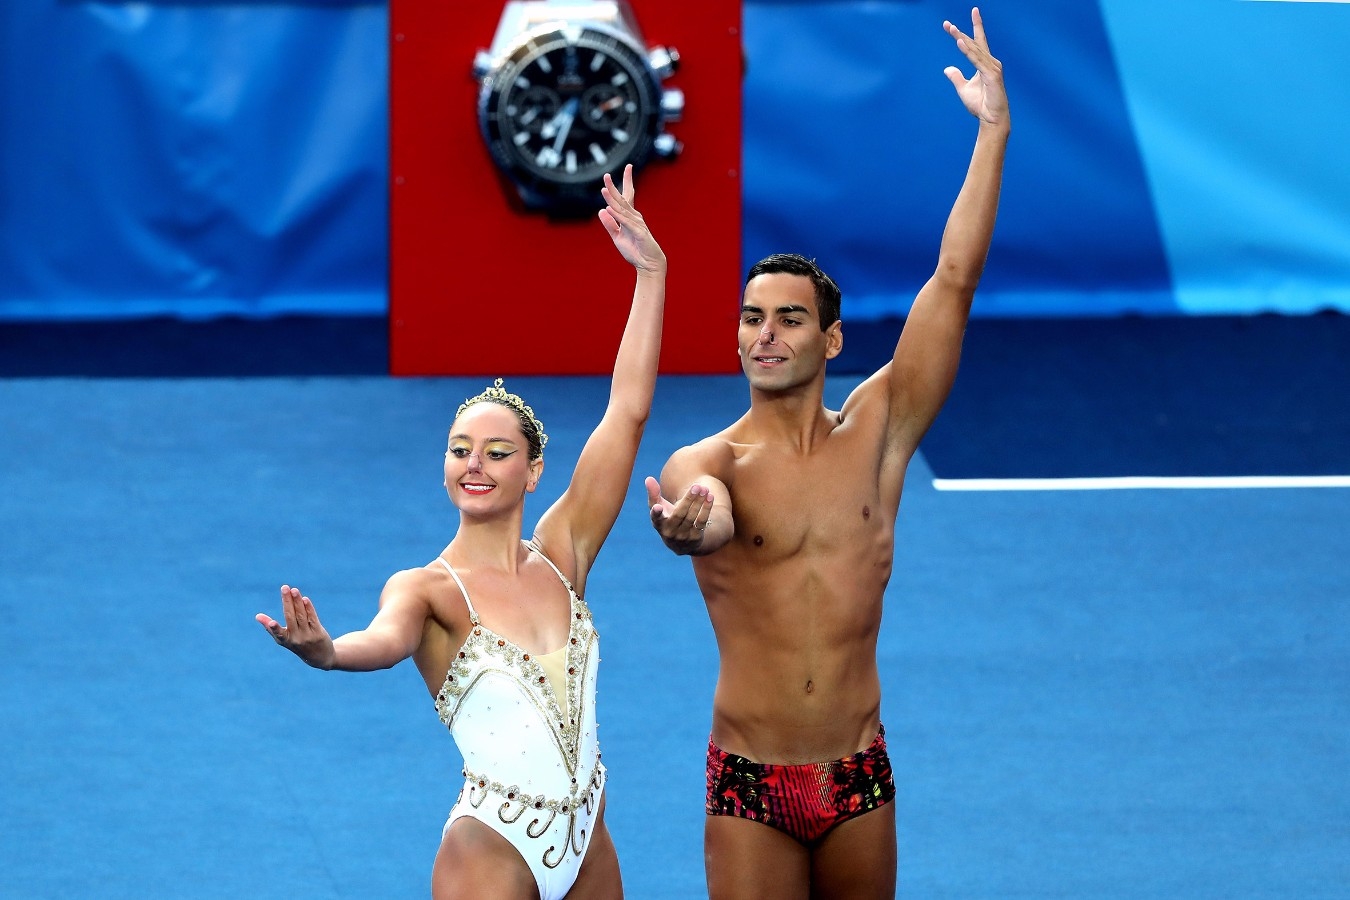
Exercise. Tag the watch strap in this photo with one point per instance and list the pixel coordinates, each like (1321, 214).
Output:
(522, 16)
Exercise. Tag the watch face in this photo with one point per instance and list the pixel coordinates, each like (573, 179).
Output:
(566, 107)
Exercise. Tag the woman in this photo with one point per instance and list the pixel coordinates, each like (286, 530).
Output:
(498, 627)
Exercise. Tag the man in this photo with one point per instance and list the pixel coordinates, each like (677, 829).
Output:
(789, 515)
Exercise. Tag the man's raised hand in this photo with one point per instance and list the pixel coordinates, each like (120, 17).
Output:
(983, 93)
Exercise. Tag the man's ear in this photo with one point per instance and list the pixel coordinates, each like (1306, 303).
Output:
(834, 339)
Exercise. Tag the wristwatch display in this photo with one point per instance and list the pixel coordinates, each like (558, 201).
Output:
(569, 91)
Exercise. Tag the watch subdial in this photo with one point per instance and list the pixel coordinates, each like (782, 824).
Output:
(532, 108)
(604, 107)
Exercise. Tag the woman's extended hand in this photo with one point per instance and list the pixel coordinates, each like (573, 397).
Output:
(302, 634)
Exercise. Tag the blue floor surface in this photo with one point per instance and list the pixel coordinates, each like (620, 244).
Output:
(1130, 694)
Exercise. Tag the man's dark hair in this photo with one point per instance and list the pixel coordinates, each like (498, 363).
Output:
(827, 292)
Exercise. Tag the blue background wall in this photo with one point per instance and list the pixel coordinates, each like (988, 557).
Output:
(201, 159)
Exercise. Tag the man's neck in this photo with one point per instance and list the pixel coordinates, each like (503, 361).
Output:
(795, 417)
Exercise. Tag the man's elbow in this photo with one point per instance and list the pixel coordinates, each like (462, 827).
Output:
(959, 278)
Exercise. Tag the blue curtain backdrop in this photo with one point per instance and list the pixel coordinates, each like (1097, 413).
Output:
(192, 159)
(201, 159)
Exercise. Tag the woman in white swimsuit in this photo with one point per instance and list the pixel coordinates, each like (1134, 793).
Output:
(498, 627)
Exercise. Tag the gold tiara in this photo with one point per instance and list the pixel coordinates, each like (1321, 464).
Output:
(498, 394)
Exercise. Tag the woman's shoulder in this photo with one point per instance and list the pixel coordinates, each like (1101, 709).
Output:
(422, 582)
(559, 553)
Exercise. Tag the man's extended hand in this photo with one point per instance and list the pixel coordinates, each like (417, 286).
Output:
(681, 524)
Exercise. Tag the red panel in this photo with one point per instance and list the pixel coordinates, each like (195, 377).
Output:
(478, 288)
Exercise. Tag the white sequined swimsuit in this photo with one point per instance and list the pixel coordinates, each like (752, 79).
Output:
(532, 768)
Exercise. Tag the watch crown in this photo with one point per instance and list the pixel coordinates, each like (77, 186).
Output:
(664, 60)
(672, 104)
(482, 64)
(666, 146)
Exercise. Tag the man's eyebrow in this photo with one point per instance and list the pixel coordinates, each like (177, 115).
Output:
(791, 308)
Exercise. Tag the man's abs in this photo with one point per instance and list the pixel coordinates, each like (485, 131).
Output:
(795, 602)
(788, 702)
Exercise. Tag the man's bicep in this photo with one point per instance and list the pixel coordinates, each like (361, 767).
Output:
(872, 398)
(927, 355)
(679, 473)
(692, 465)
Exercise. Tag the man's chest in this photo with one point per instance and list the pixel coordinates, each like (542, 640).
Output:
(786, 503)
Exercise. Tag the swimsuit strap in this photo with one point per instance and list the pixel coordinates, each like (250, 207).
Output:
(561, 577)
(473, 616)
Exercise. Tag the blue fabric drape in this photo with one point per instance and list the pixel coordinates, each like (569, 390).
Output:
(198, 159)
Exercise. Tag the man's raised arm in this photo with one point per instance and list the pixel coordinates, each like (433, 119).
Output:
(926, 356)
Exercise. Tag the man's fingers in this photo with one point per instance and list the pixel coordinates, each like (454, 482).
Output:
(694, 508)
(975, 48)
(977, 26)
(684, 519)
(708, 508)
(970, 46)
(704, 512)
(653, 491)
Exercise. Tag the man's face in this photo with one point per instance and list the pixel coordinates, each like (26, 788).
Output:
(780, 341)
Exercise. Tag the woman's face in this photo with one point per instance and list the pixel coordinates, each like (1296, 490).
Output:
(487, 465)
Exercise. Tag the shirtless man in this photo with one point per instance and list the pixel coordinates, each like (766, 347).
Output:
(789, 515)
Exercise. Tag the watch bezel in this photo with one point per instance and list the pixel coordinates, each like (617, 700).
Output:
(537, 190)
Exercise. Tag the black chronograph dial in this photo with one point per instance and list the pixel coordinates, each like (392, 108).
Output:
(567, 106)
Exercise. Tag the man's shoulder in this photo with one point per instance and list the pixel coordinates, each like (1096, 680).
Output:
(712, 455)
(720, 441)
(711, 447)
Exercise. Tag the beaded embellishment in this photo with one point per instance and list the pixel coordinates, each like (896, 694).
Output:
(483, 643)
(517, 803)
(485, 652)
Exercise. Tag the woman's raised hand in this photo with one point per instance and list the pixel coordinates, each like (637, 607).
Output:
(626, 226)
